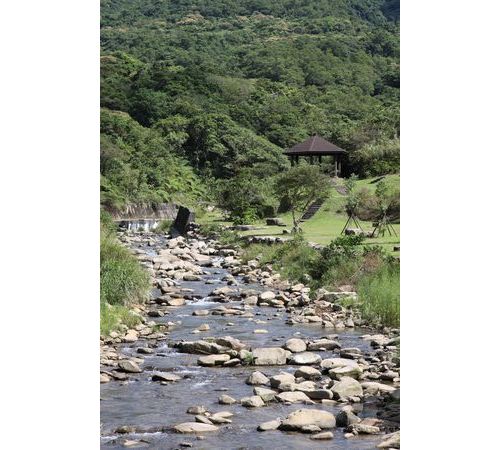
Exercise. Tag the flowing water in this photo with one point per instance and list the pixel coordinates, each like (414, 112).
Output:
(143, 403)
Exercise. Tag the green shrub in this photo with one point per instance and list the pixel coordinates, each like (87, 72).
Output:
(379, 296)
(112, 316)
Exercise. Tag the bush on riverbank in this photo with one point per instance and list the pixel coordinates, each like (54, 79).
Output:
(344, 261)
(379, 295)
(123, 280)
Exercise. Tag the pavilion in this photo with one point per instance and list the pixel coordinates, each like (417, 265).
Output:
(316, 146)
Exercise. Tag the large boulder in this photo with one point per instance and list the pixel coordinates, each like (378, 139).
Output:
(270, 356)
(347, 387)
(307, 417)
(194, 427)
(353, 371)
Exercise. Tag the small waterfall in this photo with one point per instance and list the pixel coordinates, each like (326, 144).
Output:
(139, 225)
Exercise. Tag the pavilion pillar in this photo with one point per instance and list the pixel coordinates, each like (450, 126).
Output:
(340, 168)
(335, 168)
(311, 161)
(319, 157)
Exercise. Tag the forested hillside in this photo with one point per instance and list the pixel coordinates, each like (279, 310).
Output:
(195, 91)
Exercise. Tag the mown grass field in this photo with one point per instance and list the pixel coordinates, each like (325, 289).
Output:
(326, 224)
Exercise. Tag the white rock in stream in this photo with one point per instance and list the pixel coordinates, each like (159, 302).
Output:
(304, 358)
(257, 378)
(306, 417)
(129, 366)
(195, 427)
(270, 356)
(252, 402)
(295, 345)
(213, 360)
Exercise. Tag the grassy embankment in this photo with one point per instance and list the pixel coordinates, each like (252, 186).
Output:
(123, 281)
(326, 224)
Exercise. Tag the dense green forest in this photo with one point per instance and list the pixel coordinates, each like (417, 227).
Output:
(193, 92)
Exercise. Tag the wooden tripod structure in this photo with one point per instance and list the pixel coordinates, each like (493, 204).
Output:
(352, 218)
(384, 224)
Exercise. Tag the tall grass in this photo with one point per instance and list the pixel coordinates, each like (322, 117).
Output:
(123, 281)
(379, 296)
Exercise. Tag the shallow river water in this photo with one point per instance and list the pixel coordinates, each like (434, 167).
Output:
(143, 403)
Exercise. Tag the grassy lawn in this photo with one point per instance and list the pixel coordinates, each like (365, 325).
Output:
(326, 224)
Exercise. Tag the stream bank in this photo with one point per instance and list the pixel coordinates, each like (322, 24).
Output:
(241, 349)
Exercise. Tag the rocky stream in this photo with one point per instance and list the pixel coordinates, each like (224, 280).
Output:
(230, 356)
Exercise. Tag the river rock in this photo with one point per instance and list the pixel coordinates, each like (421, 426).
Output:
(295, 345)
(271, 425)
(361, 428)
(374, 388)
(145, 350)
(319, 394)
(268, 395)
(281, 378)
(176, 302)
(270, 356)
(165, 376)
(204, 327)
(326, 344)
(304, 358)
(347, 387)
(230, 342)
(308, 373)
(213, 360)
(200, 347)
(304, 417)
(353, 371)
(267, 295)
(203, 419)
(391, 441)
(293, 397)
(325, 435)
(252, 402)
(219, 419)
(195, 427)
(129, 366)
(332, 363)
(196, 410)
(201, 312)
(226, 400)
(257, 378)
(346, 417)
(105, 378)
